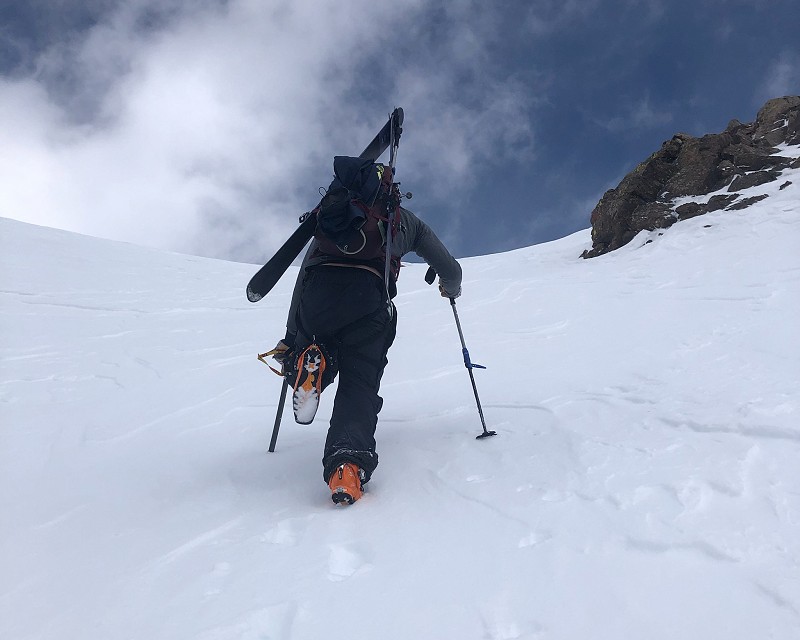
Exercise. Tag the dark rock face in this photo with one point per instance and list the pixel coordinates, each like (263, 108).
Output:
(694, 209)
(777, 121)
(743, 204)
(740, 157)
(752, 180)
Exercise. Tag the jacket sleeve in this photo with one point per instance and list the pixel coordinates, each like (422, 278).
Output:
(420, 239)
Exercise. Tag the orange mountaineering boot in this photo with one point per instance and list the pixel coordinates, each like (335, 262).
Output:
(308, 384)
(345, 484)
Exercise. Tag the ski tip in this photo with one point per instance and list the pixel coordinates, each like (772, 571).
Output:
(252, 296)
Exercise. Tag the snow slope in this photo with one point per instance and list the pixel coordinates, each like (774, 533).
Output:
(644, 483)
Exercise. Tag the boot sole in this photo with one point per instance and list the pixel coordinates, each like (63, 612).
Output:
(305, 398)
(342, 497)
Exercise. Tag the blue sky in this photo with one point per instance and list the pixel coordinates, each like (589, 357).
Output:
(207, 127)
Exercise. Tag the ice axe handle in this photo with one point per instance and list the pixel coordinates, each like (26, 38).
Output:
(278, 414)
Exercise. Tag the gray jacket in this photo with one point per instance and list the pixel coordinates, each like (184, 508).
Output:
(414, 235)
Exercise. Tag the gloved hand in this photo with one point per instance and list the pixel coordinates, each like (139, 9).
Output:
(282, 354)
(447, 294)
(280, 351)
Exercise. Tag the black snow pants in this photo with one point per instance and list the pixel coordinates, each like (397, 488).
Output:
(345, 311)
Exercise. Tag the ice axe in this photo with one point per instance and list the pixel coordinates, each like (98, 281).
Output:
(284, 388)
(430, 276)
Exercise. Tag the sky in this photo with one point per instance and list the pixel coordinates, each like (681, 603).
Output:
(208, 127)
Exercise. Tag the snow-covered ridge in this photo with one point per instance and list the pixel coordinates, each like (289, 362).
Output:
(787, 175)
(739, 158)
(644, 482)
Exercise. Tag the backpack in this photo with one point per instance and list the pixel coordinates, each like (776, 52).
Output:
(353, 214)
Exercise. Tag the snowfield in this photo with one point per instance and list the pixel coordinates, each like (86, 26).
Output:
(644, 483)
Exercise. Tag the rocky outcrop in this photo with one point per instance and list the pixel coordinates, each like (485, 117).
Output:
(741, 157)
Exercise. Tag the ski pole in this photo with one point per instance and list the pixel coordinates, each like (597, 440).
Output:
(430, 276)
(278, 416)
(470, 366)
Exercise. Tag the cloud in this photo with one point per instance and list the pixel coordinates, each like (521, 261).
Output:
(152, 135)
(207, 127)
(547, 17)
(636, 116)
(782, 77)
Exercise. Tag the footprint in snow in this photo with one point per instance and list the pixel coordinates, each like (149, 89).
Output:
(345, 562)
(534, 538)
(500, 623)
(276, 621)
(215, 579)
(286, 532)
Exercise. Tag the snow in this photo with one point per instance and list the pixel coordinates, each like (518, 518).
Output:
(644, 482)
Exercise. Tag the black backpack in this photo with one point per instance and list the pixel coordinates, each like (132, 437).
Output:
(353, 215)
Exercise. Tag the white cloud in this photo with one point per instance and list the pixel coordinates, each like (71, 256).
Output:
(207, 134)
(782, 77)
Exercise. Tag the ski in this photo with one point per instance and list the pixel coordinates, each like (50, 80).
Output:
(268, 275)
(382, 141)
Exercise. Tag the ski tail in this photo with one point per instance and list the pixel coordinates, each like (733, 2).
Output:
(382, 141)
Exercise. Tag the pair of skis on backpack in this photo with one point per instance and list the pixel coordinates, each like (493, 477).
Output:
(266, 277)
